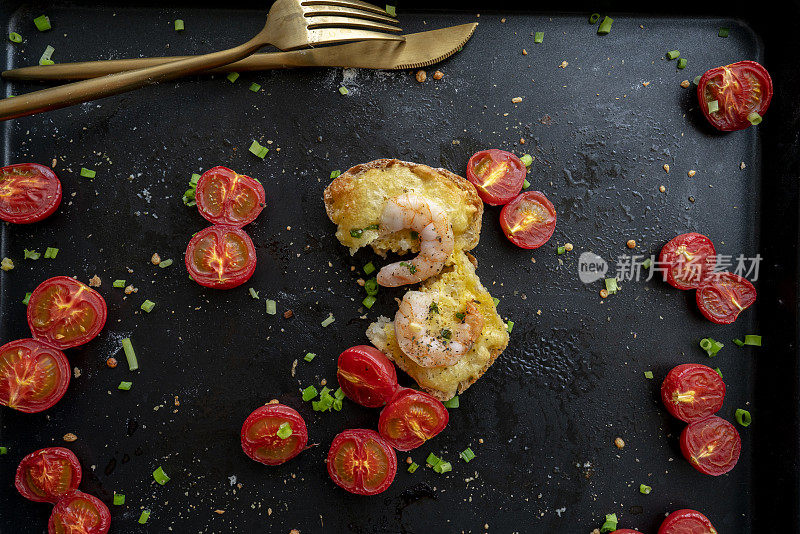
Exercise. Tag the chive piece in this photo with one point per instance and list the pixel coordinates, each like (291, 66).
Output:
(232, 76)
(644, 489)
(369, 301)
(253, 293)
(337, 405)
(325, 402)
(46, 62)
(723, 32)
(160, 476)
(461, 316)
(560, 250)
(309, 393)
(148, 305)
(673, 54)
(526, 160)
(754, 118)
(443, 467)
(739, 342)
(391, 10)
(605, 26)
(272, 307)
(510, 326)
(611, 285)
(125, 386)
(743, 417)
(647, 263)
(713, 106)
(371, 286)
(309, 356)
(753, 340)
(369, 268)
(130, 354)
(525, 183)
(335, 174)
(593, 18)
(467, 455)
(711, 346)
(611, 523)
(50, 253)
(538, 37)
(413, 467)
(338, 394)
(648, 375)
(452, 403)
(446, 334)
(255, 87)
(46, 55)
(343, 90)
(165, 263)
(14, 37)
(718, 371)
(42, 23)
(328, 320)
(284, 431)
(88, 173)
(258, 150)
(144, 517)
(179, 26)
(31, 254)
(194, 179)
(682, 63)
(119, 499)
(3, 450)
(356, 232)
(433, 460)
(118, 283)
(696, 80)
(27, 298)
(496, 301)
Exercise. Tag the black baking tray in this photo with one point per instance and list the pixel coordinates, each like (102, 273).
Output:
(571, 380)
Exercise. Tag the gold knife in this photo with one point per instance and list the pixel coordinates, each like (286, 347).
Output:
(418, 50)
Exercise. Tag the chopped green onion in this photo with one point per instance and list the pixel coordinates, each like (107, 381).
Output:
(433, 460)
(743, 417)
(130, 354)
(713, 106)
(560, 250)
(496, 301)
(160, 476)
(119, 283)
(179, 26)
(253, 293)
(356, 232)
(371, 286)
(723, 32)
(644, 489)
(165, 263)
(335, 174)
(309, 356)
(284, 431)
(510, 326)
(31, 254)
(718, 371)
(673, 54)
(337, 405)
(272, 307)
(309, 393)
(605, 26)
(46, 62)
(42, 23)
(369, 301)
(739, 342)
(328, 320)
(369, 268)
(125, 386)
(611, 285)
(611, 523)
(325, 402)
(538, 37)
(525, 183)
(452, 403)
(119, 499)
(188, 198)
(391, 10)
(682, 63)
(232, 76)
(648, 375)
(343, 90)
(753, 340)
(27, 298)
(754, 118)
(526, 160)
(46, 55)
(14, 37)
(148, 305)
(711, 346)
(51, 253)
(258, 150)
(446, 334)
(696, 80)
(410, 266)
(144, 517)
(413, 467)
(443, 467)
(461, 316)
(647, 263)
(3, 450)
(255, 87)
(593, 18)
(467, 455)
(338, 394)
(88, 173)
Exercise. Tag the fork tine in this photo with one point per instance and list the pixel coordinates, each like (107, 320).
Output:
(348, 22)
(348, 12)
(356, 4)
(333, 35)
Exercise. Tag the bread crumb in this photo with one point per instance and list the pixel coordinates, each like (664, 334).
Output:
(645, 84)
(438, 75)
(524, 52)
(662, 188)
(70, 437)
(603, 293)
(95, 281)
(516, 99)
(421, 76)
(111, 362)
(568, 247)
(631, 243)
(563, 64)
(666, 168)
(288, 314)
(691, 173)
(685, 84)
(76, 372)
(156, 259)
(619, 442)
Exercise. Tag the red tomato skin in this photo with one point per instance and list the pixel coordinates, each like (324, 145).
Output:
(41, 456)
(34, 350)
(505, 189)
(46, 208)
(62, 508)
(74, 288)
(736, 119)
(626, 531)
(361, 436)
(692, 391)
(722, 288)
(235, 280)
(278, 411)
(240, 181)
(403, 399)
(699, 433)
(686, 522)
(673, 258)
(366, 376)
(525, 238)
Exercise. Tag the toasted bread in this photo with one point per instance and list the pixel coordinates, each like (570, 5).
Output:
(453, 287)
(356, 198)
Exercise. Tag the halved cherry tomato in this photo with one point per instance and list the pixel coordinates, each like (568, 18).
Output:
(366, 376)
(362, 462)
(686, 522)
(529, 220)
(712, 445)
(79, 513)
(29, 192)
(33, 376)
(692, 391)
(225, 197)
(412, 418)
(66, 313)
(687, 260)
(260, 439)
(221, 257)
(497, 175)
(724, 296)
(47, 474)
(739, 89)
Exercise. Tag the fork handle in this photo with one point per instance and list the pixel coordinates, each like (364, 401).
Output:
(86, 90)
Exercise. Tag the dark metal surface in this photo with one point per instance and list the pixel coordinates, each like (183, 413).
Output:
(572, 378)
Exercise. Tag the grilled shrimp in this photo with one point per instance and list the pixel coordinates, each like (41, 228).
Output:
(424, 342)
(430, 221)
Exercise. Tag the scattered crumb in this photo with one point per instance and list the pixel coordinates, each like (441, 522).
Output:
(524, 52)
(645, 83)
(438, 75)
(666, 168)
(619, 442)
(130, 289)
(691, 199)
(76, 372)
(568, 247)
(742, 165)
(288, 314)
(156, 259)
(563, 64)
(220, 512)
(691, 173)
(662, 188)
(274, 401)
(603, 293)
(70, 437)
(421, 76)
(111, 362)
(516, 99)
(631, 243)
(323, 382)
(361, 282)
(685, 84)
(522, 140)
(95, 281)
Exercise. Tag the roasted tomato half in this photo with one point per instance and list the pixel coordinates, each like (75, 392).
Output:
(66, 313)
(221, 257)
(687, 260)
(29, 192)
(412, 418)
(497, 175)
(362, 462)
(735, 96)
(686, 522)
(33, 376)
(274, 434)
(224, 197)
(712, 445)
(367, 376)
(79, 513)
(692, 391)
(529, 220)
(723, 296)
(48, 474)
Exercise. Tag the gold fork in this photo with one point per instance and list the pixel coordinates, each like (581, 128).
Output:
(291, 24)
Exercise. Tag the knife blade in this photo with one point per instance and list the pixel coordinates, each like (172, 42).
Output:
(417, 51)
